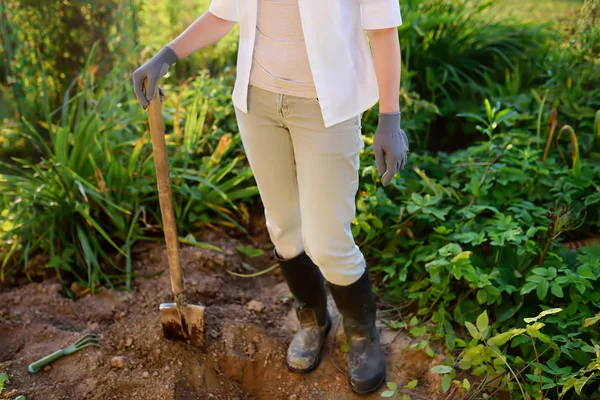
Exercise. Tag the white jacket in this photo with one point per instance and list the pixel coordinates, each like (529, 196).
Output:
(338, 51)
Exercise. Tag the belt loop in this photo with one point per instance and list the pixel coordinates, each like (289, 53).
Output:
(286, 106)
(279, 103)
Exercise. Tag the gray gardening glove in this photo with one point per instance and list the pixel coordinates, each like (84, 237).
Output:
(390, 146)
(153, 70)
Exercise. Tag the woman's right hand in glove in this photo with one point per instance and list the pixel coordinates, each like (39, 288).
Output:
(152, 71)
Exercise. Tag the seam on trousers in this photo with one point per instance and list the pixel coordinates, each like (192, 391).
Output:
(297, 193)
(283, 111)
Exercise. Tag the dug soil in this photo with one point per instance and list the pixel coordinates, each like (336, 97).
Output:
(249, 321)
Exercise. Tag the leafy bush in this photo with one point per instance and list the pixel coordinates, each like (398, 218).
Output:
(56, 53)
(49, 41)
(453, 48)
(572, 70)
(484, 229)
(173, 17)
(92, 194)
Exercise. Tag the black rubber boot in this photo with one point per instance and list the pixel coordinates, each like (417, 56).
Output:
(307, 285)
(366, 361)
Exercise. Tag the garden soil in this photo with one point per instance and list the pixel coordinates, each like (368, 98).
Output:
(250, 322)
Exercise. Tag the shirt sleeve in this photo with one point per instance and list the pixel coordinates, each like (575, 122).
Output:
(380, 14)
(225, 9)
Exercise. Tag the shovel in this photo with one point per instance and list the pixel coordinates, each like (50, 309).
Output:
(180, 321)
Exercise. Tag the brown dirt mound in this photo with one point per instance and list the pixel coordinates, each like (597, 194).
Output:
(244, 358)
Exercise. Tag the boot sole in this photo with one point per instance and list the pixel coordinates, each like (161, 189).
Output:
(370, 391)
(317, 361)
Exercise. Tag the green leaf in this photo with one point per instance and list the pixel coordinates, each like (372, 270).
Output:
(418, 331)
(482, 296)
(191, 240)
(442, 230)
(388, 393)
(473, 330)
(250, 251)
(557, 290)
(500, 339)
(446, 383)
(406, 397)
(392, 386)
(528, 287)
(543, 337)
(538, 279)
(3, 380)
(581, 383)
(465, 255)
(542, 290)
(591, 321)
(345, 347)
(466, 384)
(442, 369)
(535, 327)
(412, 384)
(531, 231)
(488, 110)
(549, 312)
(472, 116)
(483, 321)
(569, 384)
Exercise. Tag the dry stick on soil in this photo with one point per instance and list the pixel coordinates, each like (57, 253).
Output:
(389, 345)
(451, 393)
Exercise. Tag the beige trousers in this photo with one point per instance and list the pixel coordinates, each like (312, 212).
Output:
(307, 176)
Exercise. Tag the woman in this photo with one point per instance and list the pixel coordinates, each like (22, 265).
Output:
(305, 74)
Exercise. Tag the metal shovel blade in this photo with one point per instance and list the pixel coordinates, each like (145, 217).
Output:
(185, 326)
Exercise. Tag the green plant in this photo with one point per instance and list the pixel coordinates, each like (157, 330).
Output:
(393, 393)
(250, 251)
(455, 46)
(495, 117)
(3, 381)
(91, 195)
(173, 17)
(571, 70)
(494, 368)
(482, 229)
(56, 53)
(67, 205)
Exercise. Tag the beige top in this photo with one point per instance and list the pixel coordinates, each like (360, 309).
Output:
(280, 61)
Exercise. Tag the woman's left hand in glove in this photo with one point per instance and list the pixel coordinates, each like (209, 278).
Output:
(390, 146)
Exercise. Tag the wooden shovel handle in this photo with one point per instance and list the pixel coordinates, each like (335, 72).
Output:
(161, 164)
